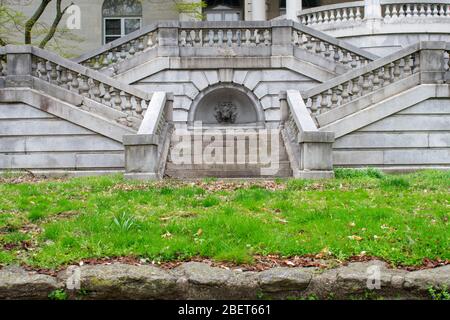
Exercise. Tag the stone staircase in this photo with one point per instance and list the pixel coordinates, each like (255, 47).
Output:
(225, 153)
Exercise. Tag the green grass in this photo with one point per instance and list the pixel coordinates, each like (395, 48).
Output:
(402, 219)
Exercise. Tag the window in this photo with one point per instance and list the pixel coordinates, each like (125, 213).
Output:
(120, 17)
(223, 10)
(282, 7)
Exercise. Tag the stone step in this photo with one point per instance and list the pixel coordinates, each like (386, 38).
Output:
(255, 173)
(240, 150)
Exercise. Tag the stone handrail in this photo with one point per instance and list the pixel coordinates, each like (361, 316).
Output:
(155, 118)
(376, 75)
(329, 47)
(66, 74)
(393, 10)
(168, 38)
(335, 13)
(146, 152)
(121, 49)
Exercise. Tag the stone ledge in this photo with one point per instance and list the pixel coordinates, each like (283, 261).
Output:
(195, 280)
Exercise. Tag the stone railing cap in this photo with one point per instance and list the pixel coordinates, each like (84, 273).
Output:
(73, 66)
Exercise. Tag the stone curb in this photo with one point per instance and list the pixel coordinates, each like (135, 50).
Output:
(195, 280)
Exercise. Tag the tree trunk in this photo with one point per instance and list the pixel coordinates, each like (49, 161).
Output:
(54, 26)
(34, 18)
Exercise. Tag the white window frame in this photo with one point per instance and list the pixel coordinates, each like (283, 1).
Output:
(122, 26)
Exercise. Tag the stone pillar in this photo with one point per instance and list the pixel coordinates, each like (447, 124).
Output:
(292, 9)
(18, 66)
(259, 10)
(316, 155)
(372, 10)
(168, 38)
(432, 62)
(141, 156)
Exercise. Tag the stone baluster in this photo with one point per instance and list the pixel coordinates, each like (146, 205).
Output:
(95, 90)
(344, 15)
(338, 15)
(358, 14)
(336, 55)
(116, 99)
(422, 12)
(345, 92)
(127, 106)
(397, 72)
(84, 87)
(355, 88)
(63, 80)
(387, 74)
(401, 12)
(326, 52)
(326, 17)
(43, 70)
(253, 37)
(324, 103)
(415, 11)
(429, 11)
(366, 84)
(381, 76)
(303, 20)
(332, 16)
(314, 106)
(376, 79)
(107, 95)
(138, 107)
(334, 97)
(74, 85)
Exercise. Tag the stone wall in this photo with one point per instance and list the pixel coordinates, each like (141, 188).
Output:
(265, 85)
(418, 136)
(33, 139)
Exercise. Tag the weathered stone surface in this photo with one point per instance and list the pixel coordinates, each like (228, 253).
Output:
(424, 279)
(16, 283)
(121, 281)
(195, 280)
(200, 281)
(284, 280)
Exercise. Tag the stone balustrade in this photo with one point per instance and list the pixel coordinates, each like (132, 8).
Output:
(329, 48)
(213, 37)
(349, 12)
(123, 48)
(353, 13)
(379, 74)
(54, 70)
(246, 38)
(393, 10)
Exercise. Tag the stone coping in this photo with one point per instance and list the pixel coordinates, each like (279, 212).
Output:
(194, 280)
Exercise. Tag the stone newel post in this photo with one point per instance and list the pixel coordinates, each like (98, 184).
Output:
(18, 66)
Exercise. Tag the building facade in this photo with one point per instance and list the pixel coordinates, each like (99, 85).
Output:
(249, 92)
(104, 20)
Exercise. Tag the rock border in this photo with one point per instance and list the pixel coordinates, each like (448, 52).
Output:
(194, 280)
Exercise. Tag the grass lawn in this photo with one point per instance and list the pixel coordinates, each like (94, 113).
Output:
(50, 223)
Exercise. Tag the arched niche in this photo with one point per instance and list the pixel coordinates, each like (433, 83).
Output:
(227, 106)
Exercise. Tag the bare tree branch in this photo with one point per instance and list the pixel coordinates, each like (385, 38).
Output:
(54, 26)
(34, 18)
